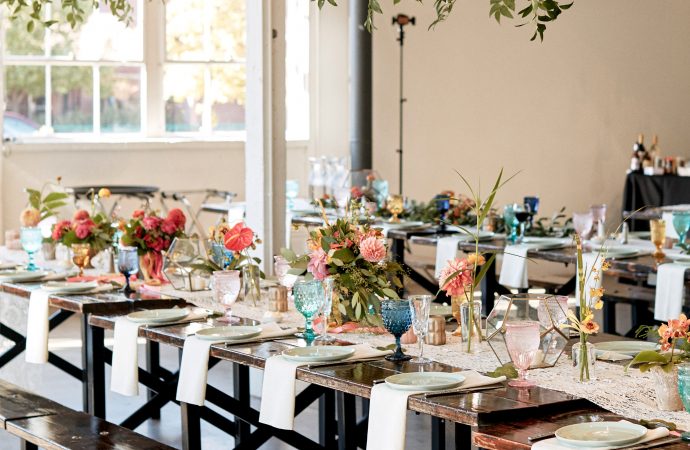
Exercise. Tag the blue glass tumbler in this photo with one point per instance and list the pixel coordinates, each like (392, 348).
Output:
(684, 391)
(681, 223)
(127, 265)
(397, 318)
(32, 241)
(308, 297)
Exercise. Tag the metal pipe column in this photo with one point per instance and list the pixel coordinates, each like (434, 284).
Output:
(360, 87)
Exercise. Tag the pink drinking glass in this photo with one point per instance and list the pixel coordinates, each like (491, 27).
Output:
(583, 223)
(522, 340)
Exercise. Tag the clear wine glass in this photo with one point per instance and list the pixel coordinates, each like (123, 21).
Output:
(127, 265)
(419, 307)
(522, 341)
(226, 286)
(583, 222)
(291, 192)
(327, 285)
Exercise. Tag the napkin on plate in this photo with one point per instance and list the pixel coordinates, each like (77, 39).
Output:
(446, 249)
(191, 387)
(514, 266)
(554, 444)
(37, 328)
(670, 291)
(388, 411)
(125, 367)
(278, 390)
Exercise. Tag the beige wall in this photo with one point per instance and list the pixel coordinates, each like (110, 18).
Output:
(566, 112)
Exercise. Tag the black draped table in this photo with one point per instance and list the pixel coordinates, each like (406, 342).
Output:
(652, 191)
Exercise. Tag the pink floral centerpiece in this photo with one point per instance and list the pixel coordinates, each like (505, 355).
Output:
(96, 230)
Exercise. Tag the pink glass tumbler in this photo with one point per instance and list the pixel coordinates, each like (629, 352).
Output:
(522, 340)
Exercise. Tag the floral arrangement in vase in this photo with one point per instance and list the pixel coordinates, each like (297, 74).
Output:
(152, 235)
(355, 256)
(84, 228)
(42, 204)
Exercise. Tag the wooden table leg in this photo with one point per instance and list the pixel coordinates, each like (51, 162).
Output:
(93, 360)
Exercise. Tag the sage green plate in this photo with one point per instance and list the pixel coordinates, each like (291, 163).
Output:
(15, 276)
(600, 434)
(67, 287)
(228, 333)
(158, 315)
(621, 252)
(425, 381)
(631, 348)
(321, 353)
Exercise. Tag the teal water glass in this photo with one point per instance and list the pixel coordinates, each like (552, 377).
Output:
(684, 391)
(32, 241)
(397, 318)
(681, 223)
(308, 297)
(510, 222)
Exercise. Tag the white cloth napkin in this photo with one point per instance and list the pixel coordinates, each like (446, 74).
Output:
(514, 266)
(278, 390)
(125, 373)
(191, 387)
(388, 411)
(446, 249)
(553, 444)
(590, 260)
(37, 328)
(670, 291)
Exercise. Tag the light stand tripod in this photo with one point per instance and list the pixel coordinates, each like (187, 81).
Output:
(401, 20)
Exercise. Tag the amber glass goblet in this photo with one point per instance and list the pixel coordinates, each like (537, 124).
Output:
(81, 256)
(658, 232)
(395, 206)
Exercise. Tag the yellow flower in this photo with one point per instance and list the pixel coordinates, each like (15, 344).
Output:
(589, 326)
(596, 292)
(104, 193)
(599, 304)
(473, 258)
(605, 266)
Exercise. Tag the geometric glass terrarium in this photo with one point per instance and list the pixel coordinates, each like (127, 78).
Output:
(549, 310)
(184, 264)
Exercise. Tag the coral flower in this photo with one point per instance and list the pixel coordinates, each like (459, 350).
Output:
(473, 257)
(138, 214)
(177, 217)
(318, 264)
(81, 215)
(82, 228)
(151, 223)
(462, 280)
(238, 238)
(589, 326)
(372, 249)
(60, 229)
(30, 217)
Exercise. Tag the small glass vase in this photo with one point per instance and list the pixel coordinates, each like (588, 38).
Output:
(470, 326)
(666, 388)
(583, 362)
(251, 288)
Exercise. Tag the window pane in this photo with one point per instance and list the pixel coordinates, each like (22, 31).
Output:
(227, 97)
(100, 37)
(120, 99)
(19, 42)
(205, 30)
(72, 99)
(25, 97)
(183, 89)
(297, 70)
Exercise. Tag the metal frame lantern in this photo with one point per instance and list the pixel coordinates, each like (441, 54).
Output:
(184, 264)
(549, 310)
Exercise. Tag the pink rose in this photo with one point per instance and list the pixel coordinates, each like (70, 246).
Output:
(82, 228)
(60, 228)
(462, 280)
(138, 214)
(177, 217)
(151, 223)
(155, 243)
(238, 238)
(81, 215)
(318, 264)
(168, 226)
(372, 249)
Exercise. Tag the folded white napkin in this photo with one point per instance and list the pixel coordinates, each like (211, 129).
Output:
(553, 444)
(590, 260)
(670, 291)
(37, 328)
(514, 266)
(388, 411)
(191, 387)
(125, 373)
(278, 390)
(446, 249)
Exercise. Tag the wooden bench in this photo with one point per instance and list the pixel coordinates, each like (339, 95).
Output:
(39, 422)
(639, 298)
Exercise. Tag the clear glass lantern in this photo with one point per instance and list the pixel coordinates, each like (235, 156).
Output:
(549, 310)
(185, 264)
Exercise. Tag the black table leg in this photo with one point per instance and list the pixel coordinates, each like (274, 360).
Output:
(398, 255)
(347, 421)
(24, 445)
(240, 380)
(490, 287)
(327, 422)
(191, 426)
(438, 434)
(463, 436)
(153, 364)
(93, 359)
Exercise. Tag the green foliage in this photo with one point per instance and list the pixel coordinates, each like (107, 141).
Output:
(647, 359)
(74, 11)
(506, 370)
(48, 203)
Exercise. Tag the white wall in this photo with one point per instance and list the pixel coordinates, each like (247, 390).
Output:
(566, 111)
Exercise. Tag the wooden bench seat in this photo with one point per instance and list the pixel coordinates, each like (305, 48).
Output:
(40, 422)
(641, 300)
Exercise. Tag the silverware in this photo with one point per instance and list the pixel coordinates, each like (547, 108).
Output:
(461, 391)
(540, 437)
(379, 381)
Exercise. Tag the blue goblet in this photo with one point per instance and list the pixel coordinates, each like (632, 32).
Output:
(684, 390)
(308, 297)
(32, 241)
(681, 223)
(397, 318)
(127, 265)
(510, 222)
